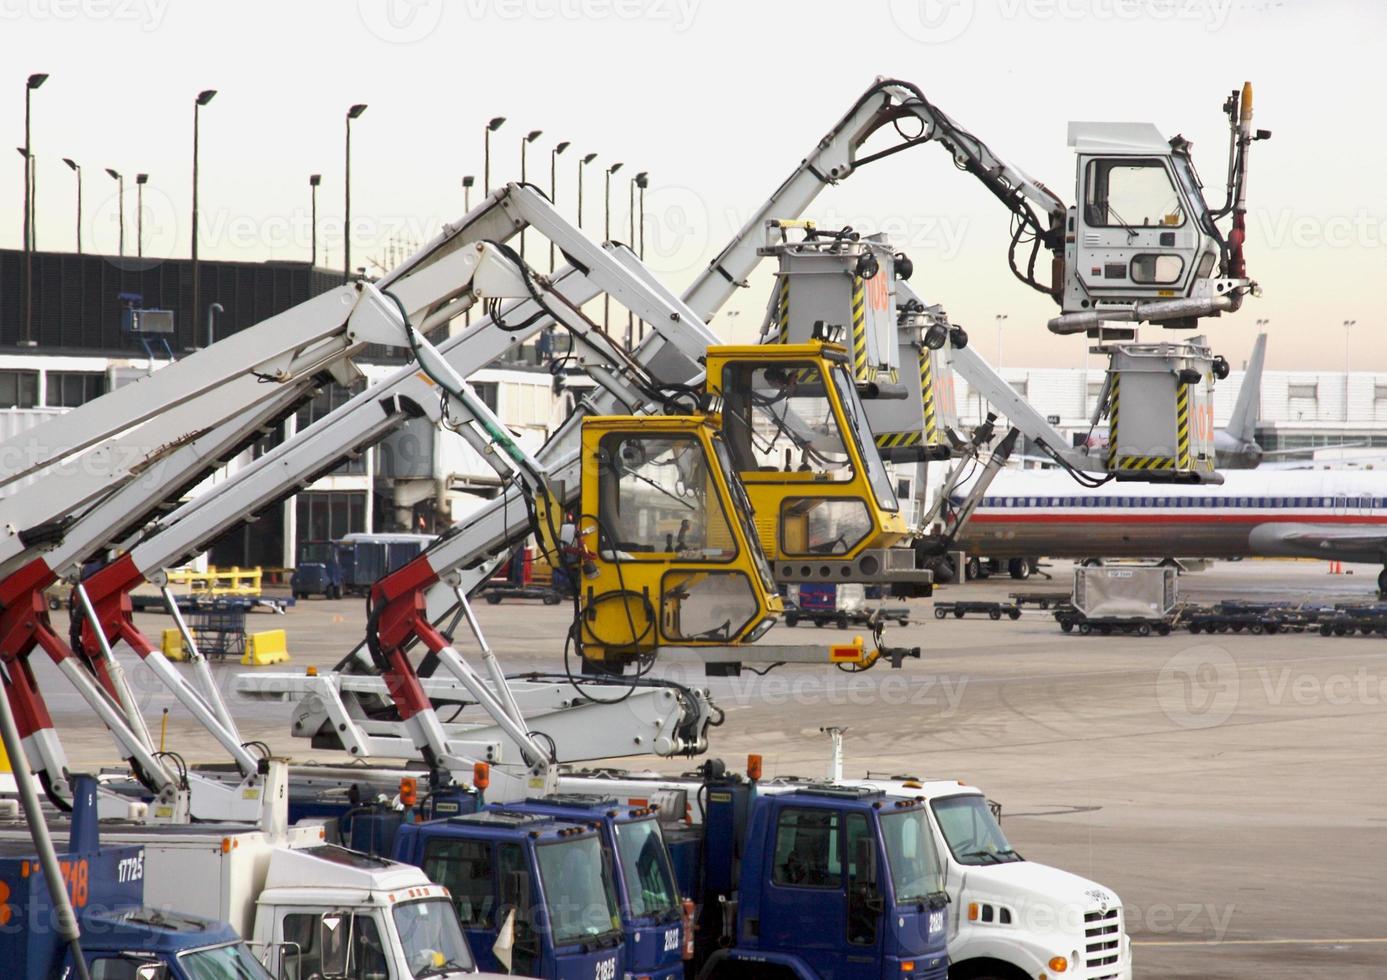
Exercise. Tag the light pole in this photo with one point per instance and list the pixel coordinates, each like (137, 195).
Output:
(120, 204)
(352, 113)
(530, 137)
(554, 189)
(76, 168)
(642, 182)
(1000, 318)
(313, 181)
(491, 127)
(1348, 326)
(637, 181)
(203, 97)
(467, 183)
(140, 181)
(33, 82)
(581, 164)
(606, 237)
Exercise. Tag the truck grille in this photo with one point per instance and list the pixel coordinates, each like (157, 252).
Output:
(1102, 943)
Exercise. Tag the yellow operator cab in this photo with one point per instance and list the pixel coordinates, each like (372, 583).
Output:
(793, 421)
(670, 557)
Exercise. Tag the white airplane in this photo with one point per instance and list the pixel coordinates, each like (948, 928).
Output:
(1334, 515)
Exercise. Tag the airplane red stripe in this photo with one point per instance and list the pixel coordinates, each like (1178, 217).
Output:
(1051, 517)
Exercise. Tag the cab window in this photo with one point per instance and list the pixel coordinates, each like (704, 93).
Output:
(464, 868)
(659, 497)
(1131, 193)
(806, 849)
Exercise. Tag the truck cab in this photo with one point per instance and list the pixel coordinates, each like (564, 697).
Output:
(527, 888)
(318, 571)
(330, 912)
(647, 893)
(1008, 914)
(833, 881)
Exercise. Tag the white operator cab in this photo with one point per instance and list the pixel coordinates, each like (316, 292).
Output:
(1141, 232)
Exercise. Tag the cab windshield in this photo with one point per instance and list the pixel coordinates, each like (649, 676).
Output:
(779, 419)
(230, 962)
(915, 870)
(432, 940)
(862, 434)
(972, 832)
(645, 868)
(658, 498)
(578, 890)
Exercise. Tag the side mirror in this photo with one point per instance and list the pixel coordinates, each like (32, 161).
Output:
(335, 940)
(152, 971)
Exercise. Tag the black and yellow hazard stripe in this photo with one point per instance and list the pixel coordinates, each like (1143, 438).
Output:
(893, 440)
(932, 436)
(1182, 427)
(1112, 423)
(859, 329)
(783, 309)
(1129, 463)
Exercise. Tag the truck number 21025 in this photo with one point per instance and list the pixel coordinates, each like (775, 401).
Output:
(606, 970)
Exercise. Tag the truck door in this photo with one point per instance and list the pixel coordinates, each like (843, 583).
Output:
(804, 910)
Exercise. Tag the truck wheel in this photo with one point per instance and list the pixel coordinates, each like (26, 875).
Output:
(1144, 629)
(1163, 629)
(972, 570)
(791, 619)
(493, 598)
(1067, 626)
(940, 612)
(841, 622)
(1085, 629)
(1255, 629)
(1014, 613)
(1020, 568)
(994, 613)
(958, 614)
(551, 598)
(818, 624)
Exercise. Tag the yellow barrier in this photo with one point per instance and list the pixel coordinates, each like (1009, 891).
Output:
(171, 642)
(265, 648)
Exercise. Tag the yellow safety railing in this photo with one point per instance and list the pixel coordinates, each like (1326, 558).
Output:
(233, 581)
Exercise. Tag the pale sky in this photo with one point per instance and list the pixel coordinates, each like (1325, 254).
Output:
(718, 100)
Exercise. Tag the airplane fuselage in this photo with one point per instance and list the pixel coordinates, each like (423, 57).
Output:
(1331, 515)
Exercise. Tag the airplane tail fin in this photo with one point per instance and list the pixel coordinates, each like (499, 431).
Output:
(1243, 422)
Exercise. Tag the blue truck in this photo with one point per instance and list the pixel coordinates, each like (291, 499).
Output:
(821, 882)
(539, 887)
(121, 939)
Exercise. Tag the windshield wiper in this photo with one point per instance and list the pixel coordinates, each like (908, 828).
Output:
(446, 967)
(982, 853)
